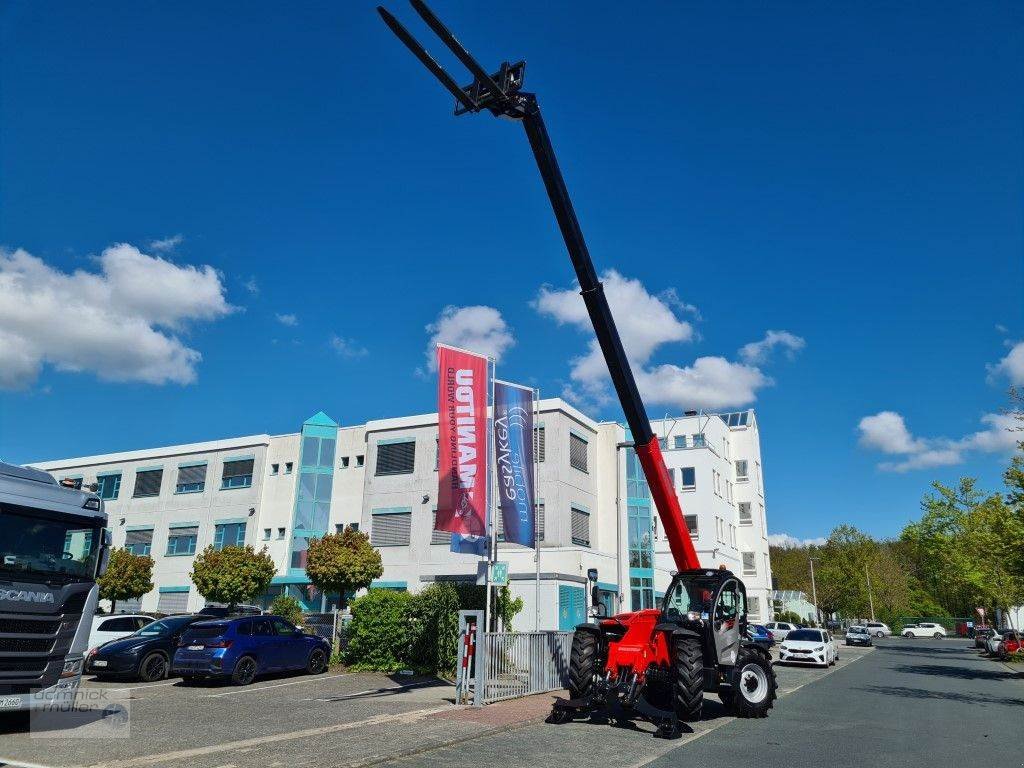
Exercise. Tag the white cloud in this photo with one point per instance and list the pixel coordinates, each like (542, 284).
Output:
(478, 328)
(786, 541)
(887, 432)
(252, 286)
(758, 352)
(1011, 366)
(167, 244)
(646, 322)
(347, 347)
(119, 323)
(287, 319)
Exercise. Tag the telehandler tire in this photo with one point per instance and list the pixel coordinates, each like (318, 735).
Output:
(753, 690)
(582, 664)
(687, 678)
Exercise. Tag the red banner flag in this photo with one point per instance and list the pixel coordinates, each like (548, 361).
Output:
(462, 463)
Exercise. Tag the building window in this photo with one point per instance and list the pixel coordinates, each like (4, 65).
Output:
(580, 527)
(390, 527)
(540, 521)
(147, 483)
(139, 542)
(237, 474)
(754, 607)
(691, 525)
(440, 537)
(288, 467)
(339, 527)
(318, 451)
(698, 441)
(680, 441)
(732, 535)
(749, 564)
(266, 534)
(642, 592)
(360, 460)
(577, 452)
(344, 462)
(191, 479)
(663, 443)
(689, 476)
(539, 443)
(275, 469)
(353, 526)
(641, 548)
(182, 541)
(229, 535)
(395, 458)
(745, 516)
(108, 486)
(741, 471)
(280, 533)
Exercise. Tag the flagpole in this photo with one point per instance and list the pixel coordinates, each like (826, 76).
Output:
(491, 538)
(536, 509)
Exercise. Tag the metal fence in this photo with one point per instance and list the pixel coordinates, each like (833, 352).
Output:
(524, 663)
(330, 626)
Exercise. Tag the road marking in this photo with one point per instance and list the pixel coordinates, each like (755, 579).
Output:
(183, 755)
(4, 761)
(143, 687)
(276, 685)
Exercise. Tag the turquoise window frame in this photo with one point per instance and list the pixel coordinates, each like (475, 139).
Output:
(102, 480)
(221, 530)
(173, 547)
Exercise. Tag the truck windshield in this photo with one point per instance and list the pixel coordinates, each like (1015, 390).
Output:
(50, 543)
(691, 594)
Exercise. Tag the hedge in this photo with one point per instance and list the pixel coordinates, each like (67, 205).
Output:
(379, 635)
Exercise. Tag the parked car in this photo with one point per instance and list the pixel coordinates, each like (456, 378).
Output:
(878, 629)
(761, 635)
(809, 646)
(1011, 643)
(221, 611)
(981, 636)
(780, 629)
(924, 629)
(145, 655)
(992, 642)
(114, 627)
(858, 635)
(239, 649)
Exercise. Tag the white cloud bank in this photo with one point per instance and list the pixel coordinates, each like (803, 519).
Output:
(167, 244)
(347, 347)
(786, 541)
(887, 432)
(287, 319)
(478, 328)
(121, 323)
(645, 323)
(1011, 366)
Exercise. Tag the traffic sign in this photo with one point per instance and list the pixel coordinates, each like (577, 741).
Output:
(499, 574)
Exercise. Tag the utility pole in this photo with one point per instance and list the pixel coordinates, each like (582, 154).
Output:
(814, 592)
(871, 600)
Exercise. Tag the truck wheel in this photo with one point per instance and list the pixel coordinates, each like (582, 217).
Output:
(753, 686)
(582, 664)
(687, 677)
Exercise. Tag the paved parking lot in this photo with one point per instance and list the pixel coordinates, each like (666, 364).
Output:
(366, 719)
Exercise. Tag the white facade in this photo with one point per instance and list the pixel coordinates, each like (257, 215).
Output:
(594, 509)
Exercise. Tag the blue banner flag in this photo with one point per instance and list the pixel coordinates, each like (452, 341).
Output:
(469, 545)
(513, 454)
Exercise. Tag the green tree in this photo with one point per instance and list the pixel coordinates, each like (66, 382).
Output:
(342, 562)
(287, 607)
(232, 575)
(128, 576)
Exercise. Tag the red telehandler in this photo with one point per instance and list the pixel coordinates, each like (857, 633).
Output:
(658, 662)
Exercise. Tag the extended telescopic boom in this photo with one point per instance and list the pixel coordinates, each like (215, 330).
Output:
(500, 94)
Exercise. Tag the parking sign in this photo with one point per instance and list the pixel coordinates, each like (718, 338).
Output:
(499, 574)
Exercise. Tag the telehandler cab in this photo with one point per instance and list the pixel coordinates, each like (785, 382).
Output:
(656, 663)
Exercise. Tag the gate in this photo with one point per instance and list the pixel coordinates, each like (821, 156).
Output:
(523, 663)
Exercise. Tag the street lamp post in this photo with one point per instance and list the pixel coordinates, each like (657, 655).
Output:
(814, 592)
(871, 599)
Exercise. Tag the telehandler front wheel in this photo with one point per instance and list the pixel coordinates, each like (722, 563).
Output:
(582, 664)
(753, 689)
(687, 678)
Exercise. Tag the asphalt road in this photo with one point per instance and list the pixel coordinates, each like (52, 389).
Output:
(905, 702)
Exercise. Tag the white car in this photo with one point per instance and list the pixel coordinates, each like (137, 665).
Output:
(116, 626)
(809, 646)
(925, 629)
(780, 629)
(993, 642)
(878, 629)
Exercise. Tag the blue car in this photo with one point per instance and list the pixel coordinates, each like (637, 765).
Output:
(239, 649)
(761, 635)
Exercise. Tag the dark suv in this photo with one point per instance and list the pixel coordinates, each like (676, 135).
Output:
(239, 649)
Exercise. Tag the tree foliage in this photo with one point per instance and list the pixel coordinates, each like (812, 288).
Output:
(380, 633)
(232, 575)
(287, 607)
(128, 576)
(343, 562)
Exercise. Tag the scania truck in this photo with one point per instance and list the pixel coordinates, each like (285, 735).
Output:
(54, 543)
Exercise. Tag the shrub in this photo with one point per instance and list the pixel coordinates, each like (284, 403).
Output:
(232, 575)
(379, 636)
(287, 607)
(128, 576)
(434, 616)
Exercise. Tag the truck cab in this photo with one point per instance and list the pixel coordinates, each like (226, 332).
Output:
(53, 545)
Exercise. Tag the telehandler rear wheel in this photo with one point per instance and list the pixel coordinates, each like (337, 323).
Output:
(582, 664)
(687, 677)
(754, 686)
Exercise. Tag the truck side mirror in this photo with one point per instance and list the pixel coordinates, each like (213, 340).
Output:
(596, 601)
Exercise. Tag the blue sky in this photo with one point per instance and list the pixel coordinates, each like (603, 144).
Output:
(849, 175)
